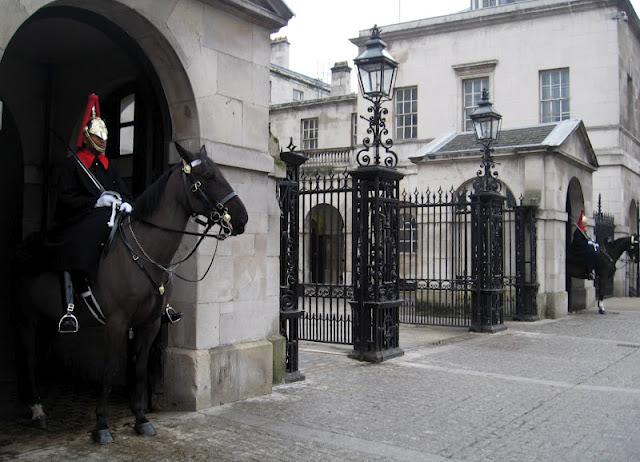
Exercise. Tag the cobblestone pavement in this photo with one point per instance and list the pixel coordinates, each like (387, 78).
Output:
(552, 390)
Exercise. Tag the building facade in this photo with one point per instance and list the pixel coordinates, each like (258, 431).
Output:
(192, 71)
(582, 62)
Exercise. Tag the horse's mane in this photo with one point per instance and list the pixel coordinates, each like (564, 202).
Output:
(148, 201)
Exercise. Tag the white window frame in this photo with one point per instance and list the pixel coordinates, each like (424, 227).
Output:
(128, 125)
(406, 118)
(298, 95)
(563, 100)
(309, 133)
(476, 95)
(408, 237)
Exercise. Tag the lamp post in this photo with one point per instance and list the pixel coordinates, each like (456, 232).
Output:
(376, 212)
(376, 76)
(486, 229)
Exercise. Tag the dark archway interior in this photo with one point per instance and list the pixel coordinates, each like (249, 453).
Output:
(575, 203)
(52, 63)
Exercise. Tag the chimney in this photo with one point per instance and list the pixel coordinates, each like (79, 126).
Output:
(280, 51)
(340, 79)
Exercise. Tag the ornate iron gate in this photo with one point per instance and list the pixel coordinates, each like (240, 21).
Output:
(436, 280)
(325, 257)
(604, 232)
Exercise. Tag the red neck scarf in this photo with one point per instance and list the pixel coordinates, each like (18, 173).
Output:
(87, 158)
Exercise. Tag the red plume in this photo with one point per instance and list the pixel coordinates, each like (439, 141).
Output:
(92, 102)
(581, 224)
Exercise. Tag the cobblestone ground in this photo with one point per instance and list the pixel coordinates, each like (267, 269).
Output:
(552, 390)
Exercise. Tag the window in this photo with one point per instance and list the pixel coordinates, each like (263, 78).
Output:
(354, 129)
(554, 95)
(406, 113)
(472, 93)
(408, 234)
(126, 125)
(298, 95)
(309, 128)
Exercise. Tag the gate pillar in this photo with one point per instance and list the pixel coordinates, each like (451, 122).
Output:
(288, 195)
(375, 257)
(526, 267)
(487, 266)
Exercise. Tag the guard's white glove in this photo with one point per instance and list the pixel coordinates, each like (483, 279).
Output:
(126, 207)
(106, 199)
(595, 245)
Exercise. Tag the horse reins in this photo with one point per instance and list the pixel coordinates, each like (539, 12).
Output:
(216, 214)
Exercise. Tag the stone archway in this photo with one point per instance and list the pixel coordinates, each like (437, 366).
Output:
(52, 54)
(574, 204)
(325, 245)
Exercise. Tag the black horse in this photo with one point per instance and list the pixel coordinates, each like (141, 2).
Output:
(133, 280)
(605, 266)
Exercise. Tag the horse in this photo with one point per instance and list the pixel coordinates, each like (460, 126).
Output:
(605, 266)
(132, 281)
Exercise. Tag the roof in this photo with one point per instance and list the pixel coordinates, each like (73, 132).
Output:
(529, 136)
(339, 99)
(484, 17)
(300, 77)
(273, 14)
(537, 137)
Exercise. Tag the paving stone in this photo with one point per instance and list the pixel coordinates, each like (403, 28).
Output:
(565, 390)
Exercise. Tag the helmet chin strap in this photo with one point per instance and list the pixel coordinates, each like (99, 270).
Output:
(87, 137)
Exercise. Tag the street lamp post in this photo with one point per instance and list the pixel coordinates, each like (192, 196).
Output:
(376, 211)
(376, 76)
(486, 226)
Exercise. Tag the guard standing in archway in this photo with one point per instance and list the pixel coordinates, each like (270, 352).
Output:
(585, 248)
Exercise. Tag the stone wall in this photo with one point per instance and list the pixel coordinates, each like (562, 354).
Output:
(213, 65)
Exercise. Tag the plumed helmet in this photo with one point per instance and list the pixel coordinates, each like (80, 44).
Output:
(582, 221)
(92, 124)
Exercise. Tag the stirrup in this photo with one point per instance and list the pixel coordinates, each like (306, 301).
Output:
(172, 316)
(68, 323)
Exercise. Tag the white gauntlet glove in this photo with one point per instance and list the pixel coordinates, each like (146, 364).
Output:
(595, 245)
(107, 199)
(126, 207)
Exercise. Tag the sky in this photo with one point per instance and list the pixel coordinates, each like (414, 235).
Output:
(319, 32)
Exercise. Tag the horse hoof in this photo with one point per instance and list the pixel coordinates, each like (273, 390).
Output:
(40, 422)
(102, 436)
(145, 429)
(602, 312)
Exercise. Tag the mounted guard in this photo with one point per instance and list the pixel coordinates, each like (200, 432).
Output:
(583, 248)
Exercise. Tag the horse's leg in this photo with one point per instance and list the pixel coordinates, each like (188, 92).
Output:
(115, 341)
(27, 363)
(143, 339)
(599, 297)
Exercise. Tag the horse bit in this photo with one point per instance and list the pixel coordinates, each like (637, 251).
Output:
(218, 214)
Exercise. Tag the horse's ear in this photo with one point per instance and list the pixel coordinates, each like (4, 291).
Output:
(203, 151)
(184, 154)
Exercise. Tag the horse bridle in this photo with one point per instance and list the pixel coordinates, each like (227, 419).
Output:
(216, 214)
